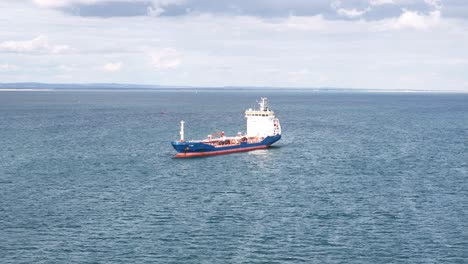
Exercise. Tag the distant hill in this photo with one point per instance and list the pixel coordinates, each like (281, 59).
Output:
(119, 86)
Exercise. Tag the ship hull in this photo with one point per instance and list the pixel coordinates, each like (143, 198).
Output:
(200, 149)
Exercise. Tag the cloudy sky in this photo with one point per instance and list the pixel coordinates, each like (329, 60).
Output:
(378, 44)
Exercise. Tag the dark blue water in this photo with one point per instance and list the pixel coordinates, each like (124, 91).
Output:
(88, 177)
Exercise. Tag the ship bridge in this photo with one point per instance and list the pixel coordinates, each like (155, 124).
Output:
(262, 122)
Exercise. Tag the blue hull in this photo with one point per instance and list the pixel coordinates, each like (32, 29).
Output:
(193, 149)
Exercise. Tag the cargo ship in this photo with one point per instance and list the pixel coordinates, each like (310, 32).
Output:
(263, 129)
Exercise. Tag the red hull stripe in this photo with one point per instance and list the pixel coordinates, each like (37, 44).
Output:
(220, 152)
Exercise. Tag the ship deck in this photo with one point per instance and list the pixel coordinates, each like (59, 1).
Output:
(231, 141)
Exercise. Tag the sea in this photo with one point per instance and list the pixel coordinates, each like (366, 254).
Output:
(358, 177)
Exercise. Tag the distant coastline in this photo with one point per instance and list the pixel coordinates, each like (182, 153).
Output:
(38, 87)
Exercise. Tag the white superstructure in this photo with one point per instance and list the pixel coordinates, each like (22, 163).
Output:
(262, 122)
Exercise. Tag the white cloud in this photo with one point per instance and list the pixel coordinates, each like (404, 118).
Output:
(154, 11)
(381, 2)
(352, 13)
(417, 20)
(56, 49)
(437, 4)
(61, 3)
(323, 78)
(349, 13)
(38, 45)
(157, 4)
(166, 2)
(167, 58)
(314, 23)
(8, 67)
(113, 66)
(298, 76)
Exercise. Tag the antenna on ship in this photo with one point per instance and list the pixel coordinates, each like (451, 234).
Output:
(263, 104)
(182, 131)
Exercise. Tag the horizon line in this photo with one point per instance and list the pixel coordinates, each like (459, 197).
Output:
(41, 86)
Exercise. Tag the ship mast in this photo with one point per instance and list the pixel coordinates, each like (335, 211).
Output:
(182, 131)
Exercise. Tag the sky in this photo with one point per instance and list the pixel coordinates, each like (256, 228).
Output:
(365, 44)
